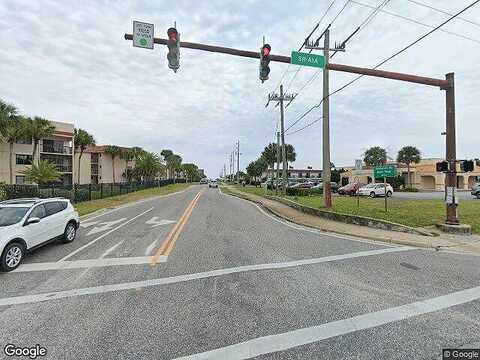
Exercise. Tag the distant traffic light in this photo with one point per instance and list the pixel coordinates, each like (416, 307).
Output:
(466, 166)
(442, 166)
(264, 61)
(173, 44)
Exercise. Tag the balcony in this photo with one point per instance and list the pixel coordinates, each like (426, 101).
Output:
(66, 150)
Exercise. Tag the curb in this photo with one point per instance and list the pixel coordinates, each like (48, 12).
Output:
(373, 238)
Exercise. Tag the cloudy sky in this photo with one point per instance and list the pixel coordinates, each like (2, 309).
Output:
(68, 61)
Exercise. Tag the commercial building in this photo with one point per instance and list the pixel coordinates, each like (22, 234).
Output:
(423, 176)
(307, 173)
(98, 167)
(57, 149)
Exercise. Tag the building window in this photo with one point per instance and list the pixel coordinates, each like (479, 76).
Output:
(63, 163)
(20, 180)
(24, 141)
(24, 159)
(56, 146)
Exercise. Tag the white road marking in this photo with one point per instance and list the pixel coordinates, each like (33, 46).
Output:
(273, 343)
(107, 225)
(87, 224)
(311, 230)
(188, 277)
(102, 236)
(154, 222)
(82, 264)
(111, 249)
(151, 247)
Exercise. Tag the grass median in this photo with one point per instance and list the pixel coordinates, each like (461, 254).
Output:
(87, 207)
(415, 213)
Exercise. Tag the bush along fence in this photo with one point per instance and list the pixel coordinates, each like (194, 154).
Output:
(79, 193)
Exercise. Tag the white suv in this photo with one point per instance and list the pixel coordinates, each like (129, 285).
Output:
(375, 189)
(26, 224)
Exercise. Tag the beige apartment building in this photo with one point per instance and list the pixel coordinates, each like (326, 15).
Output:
(423, 175)
(57, 149)
(97, 167)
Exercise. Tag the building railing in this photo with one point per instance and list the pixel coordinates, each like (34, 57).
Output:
(79, 193)
(55, 149)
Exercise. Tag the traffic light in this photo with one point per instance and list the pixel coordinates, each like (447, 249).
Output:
(173, 44)
(442, 166)
(466, 166)
(264, 61)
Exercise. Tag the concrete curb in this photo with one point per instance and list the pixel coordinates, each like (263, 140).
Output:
(369, 237)
(352, 219)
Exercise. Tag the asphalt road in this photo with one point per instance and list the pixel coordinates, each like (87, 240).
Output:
(211, 276)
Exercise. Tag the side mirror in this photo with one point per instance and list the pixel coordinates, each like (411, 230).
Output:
(33, 220)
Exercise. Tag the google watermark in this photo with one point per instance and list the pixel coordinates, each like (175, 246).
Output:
(461, 354)
(31, 352)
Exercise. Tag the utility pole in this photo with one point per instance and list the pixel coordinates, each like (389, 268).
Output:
(281, 98)
(238, 161)
(278, 163)
(326, 175)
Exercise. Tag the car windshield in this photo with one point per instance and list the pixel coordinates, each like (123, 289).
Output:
(11, 215)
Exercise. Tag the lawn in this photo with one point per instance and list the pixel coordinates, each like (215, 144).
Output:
(416, 213)
(87, 207)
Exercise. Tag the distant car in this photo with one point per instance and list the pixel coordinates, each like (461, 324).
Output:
(375, 189)
(333, 186)
(26, 224)
(476, 191)
(203, 181)
(213, 184)
(303, 185)
(350, 189)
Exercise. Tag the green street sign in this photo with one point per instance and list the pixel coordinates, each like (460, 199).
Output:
(384, 171)
(304, 59)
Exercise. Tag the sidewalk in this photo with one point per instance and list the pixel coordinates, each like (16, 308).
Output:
(457, 243)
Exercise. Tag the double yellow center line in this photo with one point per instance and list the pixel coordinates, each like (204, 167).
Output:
(169, 242)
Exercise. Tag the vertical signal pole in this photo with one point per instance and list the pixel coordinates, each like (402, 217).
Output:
(238, 161)
(284, 154)
(278, 163)
(451, 152)
(327, 190)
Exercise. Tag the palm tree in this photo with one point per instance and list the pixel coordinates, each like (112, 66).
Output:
(41, 173)
(167, 154)
(176, 164)
(409, 155)
(7, 111)
(36, 129)
(14, 130)
(113, 151)
(148, 165)
(82, 139)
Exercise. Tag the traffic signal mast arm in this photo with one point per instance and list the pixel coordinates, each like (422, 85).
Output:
(443, 84)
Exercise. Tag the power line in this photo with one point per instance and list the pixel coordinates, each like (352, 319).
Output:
(382, 63)
(418, 22)
(306, 126)
(443, 12)
(367, 20)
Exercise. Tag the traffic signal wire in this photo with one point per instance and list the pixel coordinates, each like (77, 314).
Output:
(443, 12)
(380, 64)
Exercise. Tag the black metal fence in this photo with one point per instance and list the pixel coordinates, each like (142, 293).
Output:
(79, 193)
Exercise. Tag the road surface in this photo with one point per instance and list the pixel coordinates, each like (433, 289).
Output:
(203, 275)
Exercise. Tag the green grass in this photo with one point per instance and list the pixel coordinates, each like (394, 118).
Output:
(87, 207)
(415, 213)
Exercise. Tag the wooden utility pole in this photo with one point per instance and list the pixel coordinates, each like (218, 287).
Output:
(278, 163)
(326, 175)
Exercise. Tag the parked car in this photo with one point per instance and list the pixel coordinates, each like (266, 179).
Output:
(213, 184)
(333, 186)
(375, 189)
(476, 190)
(303, 185)
(26, 224)
(350, 189)
(204, 181)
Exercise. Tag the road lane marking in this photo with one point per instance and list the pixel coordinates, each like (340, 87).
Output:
(102, 236)
(107, 225)
(87, 224)
(279, 342)
(188, 277)
(311, 230)
(172, 237)
(154, 222)
(111, 249)
(83, 264)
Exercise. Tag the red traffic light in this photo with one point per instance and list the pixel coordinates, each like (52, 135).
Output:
(266, 50)
(172, 34)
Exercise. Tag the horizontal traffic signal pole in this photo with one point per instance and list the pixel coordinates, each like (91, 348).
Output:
(441, 83)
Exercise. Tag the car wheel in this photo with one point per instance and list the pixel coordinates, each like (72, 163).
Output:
(389, 193)
(478, 196)
(12, 256)
(70, 233)
(372, 194)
